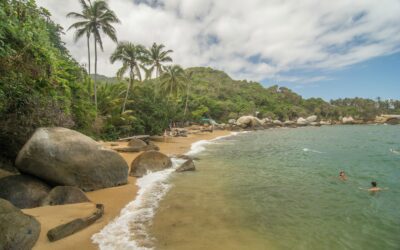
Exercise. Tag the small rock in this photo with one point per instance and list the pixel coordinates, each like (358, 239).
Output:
(149, 161)
(188, 165)
(61, 195)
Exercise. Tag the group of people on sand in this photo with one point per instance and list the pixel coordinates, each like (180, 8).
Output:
(374, 185)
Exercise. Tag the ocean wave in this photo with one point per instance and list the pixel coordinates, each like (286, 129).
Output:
(312, 150)
(129, 229)
(394, 151)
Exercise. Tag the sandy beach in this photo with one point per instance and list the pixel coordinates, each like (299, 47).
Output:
(114, 199)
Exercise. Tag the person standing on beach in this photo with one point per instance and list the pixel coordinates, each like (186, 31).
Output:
(342, 175)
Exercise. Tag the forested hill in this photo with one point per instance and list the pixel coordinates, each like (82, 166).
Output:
(42, 85)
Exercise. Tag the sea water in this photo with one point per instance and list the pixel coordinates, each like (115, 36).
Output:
(279, 189)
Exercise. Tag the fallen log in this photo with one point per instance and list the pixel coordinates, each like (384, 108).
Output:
(141, 137)
(76, 225)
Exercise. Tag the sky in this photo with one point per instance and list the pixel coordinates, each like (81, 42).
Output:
(327, 49)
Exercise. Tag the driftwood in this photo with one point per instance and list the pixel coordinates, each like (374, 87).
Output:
(74, 226)
(141, 137)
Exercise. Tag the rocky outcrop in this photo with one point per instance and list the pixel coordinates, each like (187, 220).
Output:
(232, 121)
(188, 165)
(312, 118)
(301, 122)
(61, 195)
(137, 143)
(325, 122)
(23, 191)
(18, 231)
(277, 122)
(348, 120)
(67, 157)
(149, 161)
(151, 146)
(249, 122)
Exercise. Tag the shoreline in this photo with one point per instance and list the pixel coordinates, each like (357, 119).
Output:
(114, 199)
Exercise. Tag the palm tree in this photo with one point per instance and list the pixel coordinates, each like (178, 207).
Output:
(81, 26)
(130, 55)
(95, 18)
(147, 72)
(173, 80)
(156, 56)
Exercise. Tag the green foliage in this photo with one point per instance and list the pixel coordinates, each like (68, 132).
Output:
(40, 84)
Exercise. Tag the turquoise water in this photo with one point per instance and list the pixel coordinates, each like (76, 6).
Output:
(278, 189)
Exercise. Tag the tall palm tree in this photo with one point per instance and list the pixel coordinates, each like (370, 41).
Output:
(173, 80)
(96, 18)
(156, 56)
(81, 26)
(131, 56)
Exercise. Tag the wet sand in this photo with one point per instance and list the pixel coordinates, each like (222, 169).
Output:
(114, 199)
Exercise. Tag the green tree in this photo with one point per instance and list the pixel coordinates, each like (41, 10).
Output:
(131, 56)
(173, 80)
(82, 27)
(156, 57)
(96, 18)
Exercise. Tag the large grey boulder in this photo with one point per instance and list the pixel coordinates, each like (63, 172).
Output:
(348, 120)
(301, 121)
(23, 191)
(312, 118)
(18, 231)
(61, 195)
(69, 158)
(149, 161)
(188, 165)
(249, 121)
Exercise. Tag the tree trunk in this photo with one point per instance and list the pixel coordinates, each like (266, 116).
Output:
(128, 89)
(88, 51)
(187, 100)
(95, 74)
(74, 226)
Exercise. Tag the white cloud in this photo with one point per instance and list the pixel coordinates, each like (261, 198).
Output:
(227, 34)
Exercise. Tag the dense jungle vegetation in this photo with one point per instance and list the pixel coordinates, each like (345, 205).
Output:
(42, 85)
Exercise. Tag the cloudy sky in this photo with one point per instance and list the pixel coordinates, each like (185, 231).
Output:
(318, 48)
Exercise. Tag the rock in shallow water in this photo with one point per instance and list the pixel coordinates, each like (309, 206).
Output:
(23, 191)
(67, 157)
(17, 230)
(186, 166)
(149, 161)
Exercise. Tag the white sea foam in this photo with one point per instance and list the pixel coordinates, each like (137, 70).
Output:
(312, 150)
(395, 151)
(129, 229)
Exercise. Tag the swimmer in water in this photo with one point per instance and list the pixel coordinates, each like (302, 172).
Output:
(374, 187)
(342, 175)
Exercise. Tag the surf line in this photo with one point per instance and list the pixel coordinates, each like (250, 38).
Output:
(129, 229)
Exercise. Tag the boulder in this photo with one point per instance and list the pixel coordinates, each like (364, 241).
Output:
(317, 124)
(248, 122)
(151, 146)
(149, 161)
(289, 123)
(312, 118)
(137, 143)
(325, 122)
(231, 121)
(188, 165)
(61, 195)
(18, 231)
(277, 122)
(23, 191)
(348, 120)
(301, 121)
(66, 157)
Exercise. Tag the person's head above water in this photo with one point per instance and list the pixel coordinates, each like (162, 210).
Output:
(341, 173)
(373, 183)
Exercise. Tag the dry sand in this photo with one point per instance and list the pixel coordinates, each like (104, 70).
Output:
(114, 199)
